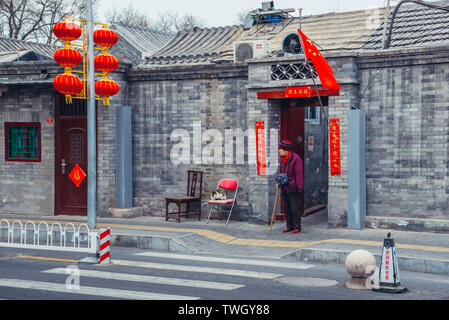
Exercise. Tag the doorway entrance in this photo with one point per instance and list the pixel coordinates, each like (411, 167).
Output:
(70, 150)
(309, 138)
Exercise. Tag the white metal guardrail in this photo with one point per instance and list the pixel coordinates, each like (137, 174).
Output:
(28, 235)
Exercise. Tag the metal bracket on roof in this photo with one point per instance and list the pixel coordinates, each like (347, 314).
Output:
(426, 4)
(260, 15)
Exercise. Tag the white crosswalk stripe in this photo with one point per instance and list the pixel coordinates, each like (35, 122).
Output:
(138, 283)
(151, 279)
(92, 291)
(265, 263)
(175, 267)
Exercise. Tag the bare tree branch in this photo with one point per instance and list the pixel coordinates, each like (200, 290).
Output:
(168, 22)
(129, 15)
(34, 19)
(241, 16)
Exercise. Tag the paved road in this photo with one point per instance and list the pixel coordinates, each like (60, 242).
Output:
(145, 274)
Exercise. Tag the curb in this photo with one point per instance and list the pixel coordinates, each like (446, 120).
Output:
(407, 224)
(406, 263)
(150, 242)
(173, 244)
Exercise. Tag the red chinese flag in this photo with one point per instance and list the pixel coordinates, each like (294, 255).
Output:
(322, 67)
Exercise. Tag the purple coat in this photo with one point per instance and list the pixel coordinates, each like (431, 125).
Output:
(294, 173)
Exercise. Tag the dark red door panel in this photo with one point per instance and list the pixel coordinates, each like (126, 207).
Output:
(70, 150)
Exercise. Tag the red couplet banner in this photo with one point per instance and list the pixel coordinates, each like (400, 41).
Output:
(260, 147)
(334, 147)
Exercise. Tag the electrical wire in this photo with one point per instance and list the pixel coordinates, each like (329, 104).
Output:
(418, 2)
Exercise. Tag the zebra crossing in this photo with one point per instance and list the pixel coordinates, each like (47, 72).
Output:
(188, 268)
(91, 291)
(153, 268)
(275, 264)
(152, 279)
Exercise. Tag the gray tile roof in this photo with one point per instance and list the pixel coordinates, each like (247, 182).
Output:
(414, 26)
(24, 55)
(135, 42)
(332, 31)
(197, 46)
(13, 45)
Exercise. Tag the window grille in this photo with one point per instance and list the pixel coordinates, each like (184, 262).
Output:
(23, 142)
(292, 71)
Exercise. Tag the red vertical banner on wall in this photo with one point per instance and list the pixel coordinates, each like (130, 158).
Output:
(334, 147)
(260, 147)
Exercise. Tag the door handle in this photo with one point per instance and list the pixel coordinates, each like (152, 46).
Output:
(63, 166)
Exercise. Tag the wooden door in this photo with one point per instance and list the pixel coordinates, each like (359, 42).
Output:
(70, 150)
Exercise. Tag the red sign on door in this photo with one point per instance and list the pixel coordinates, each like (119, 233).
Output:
(77, 175)
(298, 92)
(334, 147)
(260, 147)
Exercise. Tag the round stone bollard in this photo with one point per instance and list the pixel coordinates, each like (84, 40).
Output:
(359, 264)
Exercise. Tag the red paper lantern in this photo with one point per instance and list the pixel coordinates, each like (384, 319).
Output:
(106, 88)
(68, 57)
(105, 37)
(68, 84)
(67, 31)
(106, 63)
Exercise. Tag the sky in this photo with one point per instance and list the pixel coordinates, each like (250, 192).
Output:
(217, 13)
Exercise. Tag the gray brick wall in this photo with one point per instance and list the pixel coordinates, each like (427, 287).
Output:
(28, 187)
(407, 132)
(262, 190)
(406, 102)
(338, 186)
(345, 70)
(106, 144)
(186, 98)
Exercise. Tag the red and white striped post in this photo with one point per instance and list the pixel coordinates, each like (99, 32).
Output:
(105, 244)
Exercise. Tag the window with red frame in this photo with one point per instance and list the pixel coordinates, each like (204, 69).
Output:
(23, 141)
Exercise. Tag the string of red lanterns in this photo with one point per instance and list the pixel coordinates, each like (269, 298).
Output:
(67, 83)
(71, 85)
(106, 63)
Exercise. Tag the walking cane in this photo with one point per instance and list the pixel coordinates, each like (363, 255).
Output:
(275, 203)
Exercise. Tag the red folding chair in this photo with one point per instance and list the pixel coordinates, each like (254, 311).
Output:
(228, 185)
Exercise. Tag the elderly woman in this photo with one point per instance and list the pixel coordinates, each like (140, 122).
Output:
(291, 166)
